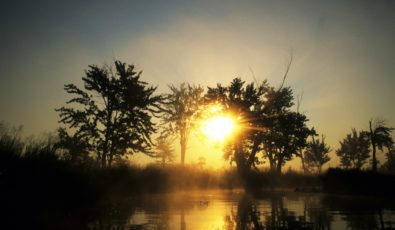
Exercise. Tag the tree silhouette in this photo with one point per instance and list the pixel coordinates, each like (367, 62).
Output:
(389, 165)
(179, 110)
(316, 154)
(245, 103)
(164, 151)
(354, 150)
(77, 147)
(11, 147)
(286, 130)
(112, 115)
(380, 136)
(287, 133)
(269, 126)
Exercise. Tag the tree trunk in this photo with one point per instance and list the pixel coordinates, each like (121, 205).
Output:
(279, 165)
(112, 153)
(270, 154)
(240, 163)
(103, 160)
(272, 164)
(241, 166)
(110, 160)
(373, 142)
(251, 158)
(108, 131)
(302, 160)
(374, 161)
(183, 146)
(163, 161)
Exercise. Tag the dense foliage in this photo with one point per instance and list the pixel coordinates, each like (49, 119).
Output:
(316, 154)
(112, 116)
(354, 150)
(269, 127)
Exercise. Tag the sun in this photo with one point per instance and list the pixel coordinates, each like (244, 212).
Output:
(218, 128)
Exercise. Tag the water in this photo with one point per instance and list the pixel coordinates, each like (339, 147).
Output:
(236, 210)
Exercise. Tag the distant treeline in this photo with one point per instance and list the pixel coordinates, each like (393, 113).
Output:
(112, 117)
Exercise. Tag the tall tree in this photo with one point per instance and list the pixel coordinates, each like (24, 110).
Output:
(269, 126)
(113, 113)
(286, 130)
(380, 136)
(316, 154)
(179, 111)
(287, 134)
(354, 150)
(245, 103)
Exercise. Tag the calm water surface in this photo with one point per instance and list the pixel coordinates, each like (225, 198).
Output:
(236, 210)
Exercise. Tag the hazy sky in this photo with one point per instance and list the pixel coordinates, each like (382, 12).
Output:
(344, 52)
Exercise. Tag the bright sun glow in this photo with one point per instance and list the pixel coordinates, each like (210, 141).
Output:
(218, 127)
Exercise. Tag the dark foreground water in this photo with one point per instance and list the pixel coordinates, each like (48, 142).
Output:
(236, 210)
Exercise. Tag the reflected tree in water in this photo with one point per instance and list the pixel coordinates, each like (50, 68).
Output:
(319, 216)
(361, 213)
(245, 217)
(270, 212)
(282, 218)
(361, 221)
(249, 215)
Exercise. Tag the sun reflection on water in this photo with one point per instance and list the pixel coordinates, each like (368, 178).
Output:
(236, 210)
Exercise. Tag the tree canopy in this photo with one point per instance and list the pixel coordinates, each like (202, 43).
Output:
(112, 115)
(316, 154)
(269, 126)
(354, 150)
(179, 110)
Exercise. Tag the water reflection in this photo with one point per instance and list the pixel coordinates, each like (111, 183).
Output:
(279, 212)
(237, 211)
